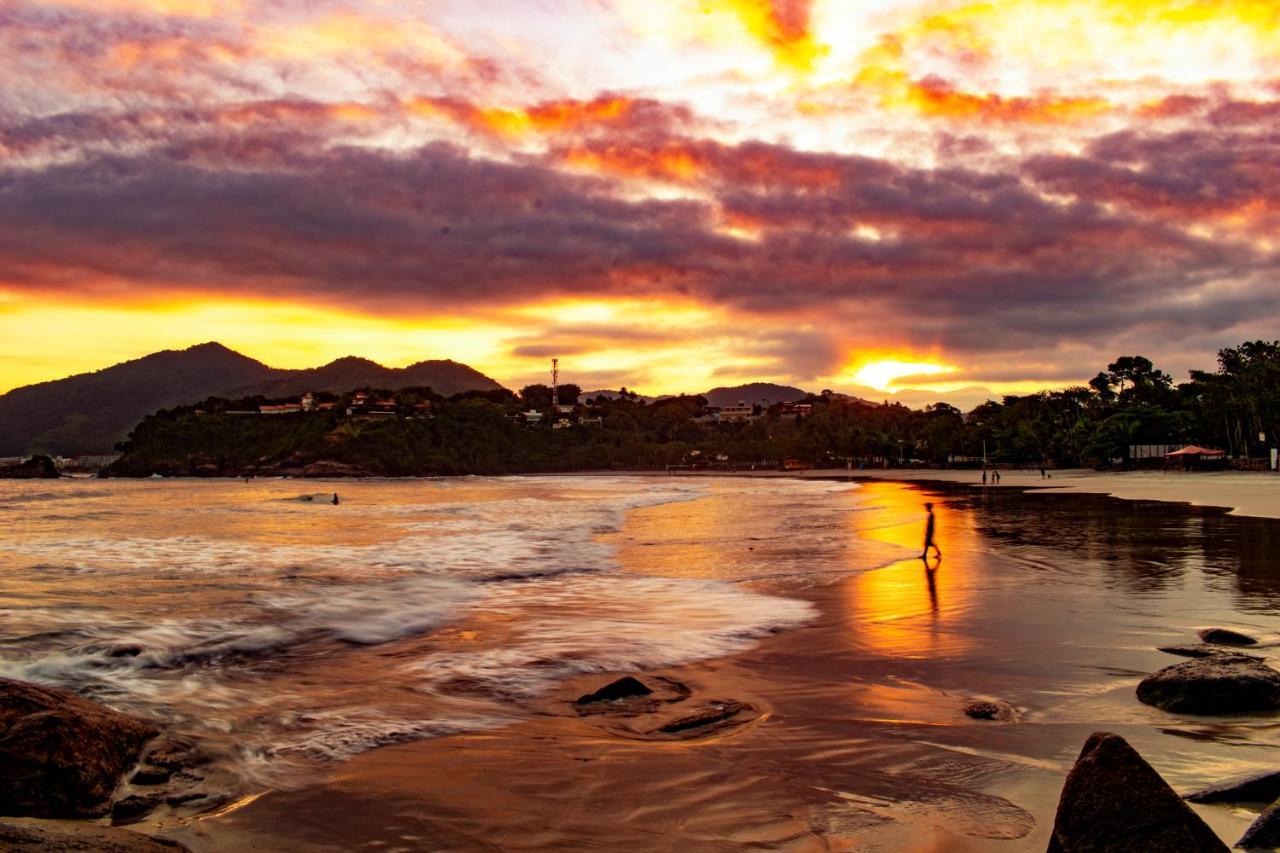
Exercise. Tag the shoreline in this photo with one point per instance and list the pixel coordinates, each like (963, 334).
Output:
(860, 737)
(1214, 490)
(1245, 493)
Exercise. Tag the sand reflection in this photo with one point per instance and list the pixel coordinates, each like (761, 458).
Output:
(911, 609)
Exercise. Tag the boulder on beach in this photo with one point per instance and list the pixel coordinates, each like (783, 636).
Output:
(1219, 684)
(1260, 788)
(1113, 800)
(624, 688)
(35, 468)
(135, 807)
(64, 836)
(990, 710)
(1202, 650)
(1263, 833)
(1226, 637)
(61, 755)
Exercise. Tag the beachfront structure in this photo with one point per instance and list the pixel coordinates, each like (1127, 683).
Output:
(1193, 457)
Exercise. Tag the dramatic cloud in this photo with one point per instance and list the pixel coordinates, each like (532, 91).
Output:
(766, 189)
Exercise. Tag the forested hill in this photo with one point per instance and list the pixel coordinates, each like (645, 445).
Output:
(91, 412)
(418, 432)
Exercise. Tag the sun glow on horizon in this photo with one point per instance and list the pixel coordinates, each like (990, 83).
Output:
(883, 375)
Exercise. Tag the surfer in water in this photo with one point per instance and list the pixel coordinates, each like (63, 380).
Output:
(335, 498)
(928, 536)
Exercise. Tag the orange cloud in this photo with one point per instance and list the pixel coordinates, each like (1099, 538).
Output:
(558, 116)
(685, 161)
(935, 97)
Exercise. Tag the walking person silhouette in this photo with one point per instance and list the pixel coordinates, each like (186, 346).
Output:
(928, 536)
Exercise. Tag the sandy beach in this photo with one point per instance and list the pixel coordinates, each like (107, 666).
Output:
(854, 735)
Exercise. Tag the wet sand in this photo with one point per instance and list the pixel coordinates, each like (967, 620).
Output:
(1253, 493)
(858, 738)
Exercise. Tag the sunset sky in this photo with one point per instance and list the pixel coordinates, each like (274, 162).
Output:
(924, 200)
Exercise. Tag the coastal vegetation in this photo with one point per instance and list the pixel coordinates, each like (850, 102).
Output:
(1235, 407)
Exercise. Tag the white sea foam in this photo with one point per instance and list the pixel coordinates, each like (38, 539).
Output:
(213, 608)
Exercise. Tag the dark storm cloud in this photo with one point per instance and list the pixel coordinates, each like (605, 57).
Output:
(228, 202)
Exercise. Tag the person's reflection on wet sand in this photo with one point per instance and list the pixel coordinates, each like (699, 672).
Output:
(930, 578)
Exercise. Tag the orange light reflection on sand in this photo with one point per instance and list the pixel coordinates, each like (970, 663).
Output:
(902, 610)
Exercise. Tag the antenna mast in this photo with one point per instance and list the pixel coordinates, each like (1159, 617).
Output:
(555, 382)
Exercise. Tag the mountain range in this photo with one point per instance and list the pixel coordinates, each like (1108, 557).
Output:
(90, 412)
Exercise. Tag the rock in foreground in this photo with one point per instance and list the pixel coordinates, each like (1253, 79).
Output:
(995, 710)
(1114, 801)
(1262, 788)
(1263, 833)
(624, 688)
(1219, 684)
(1202, 650)
(1226, 637)
(56, 836)
(61, 755)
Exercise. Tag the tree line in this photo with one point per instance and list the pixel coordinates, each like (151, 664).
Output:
(1235, 407)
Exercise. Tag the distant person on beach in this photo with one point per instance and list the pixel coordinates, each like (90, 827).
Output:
(1042, 474)
(928, 536)
(995, 475)
(984, 476)
(335, 498)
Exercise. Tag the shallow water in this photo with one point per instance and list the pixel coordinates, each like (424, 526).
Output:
(285, 632)
(289, 635)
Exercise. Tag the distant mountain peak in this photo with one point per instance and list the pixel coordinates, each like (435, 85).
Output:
(90, 412)
(350, 361)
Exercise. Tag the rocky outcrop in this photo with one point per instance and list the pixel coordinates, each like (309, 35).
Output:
(35, 468)
(1226, 637)
(1263, 833)
(1261, 788)
(326, 468)
(624, 688)
(1114, 801)
(1202, 650)
(61, 755)
(58, 836)
(1219, 684)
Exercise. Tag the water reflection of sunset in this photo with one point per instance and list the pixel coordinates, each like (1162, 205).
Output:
(904, 610)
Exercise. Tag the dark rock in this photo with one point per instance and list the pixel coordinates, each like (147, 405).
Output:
(134, 807)
(59, 836)
(176, 755)
(150, 776)
(184, 797)
(712, 714)
(1226, 637)
(35, 468)
(1263, 833)
(1219, 684)
(1202, 650)
(327, 468)
(1262, 788)
(624, 688)
(1113, 800)
(61, 755)
(999, 711)
(129, 650)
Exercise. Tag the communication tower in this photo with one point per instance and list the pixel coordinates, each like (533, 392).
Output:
(555, 383)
